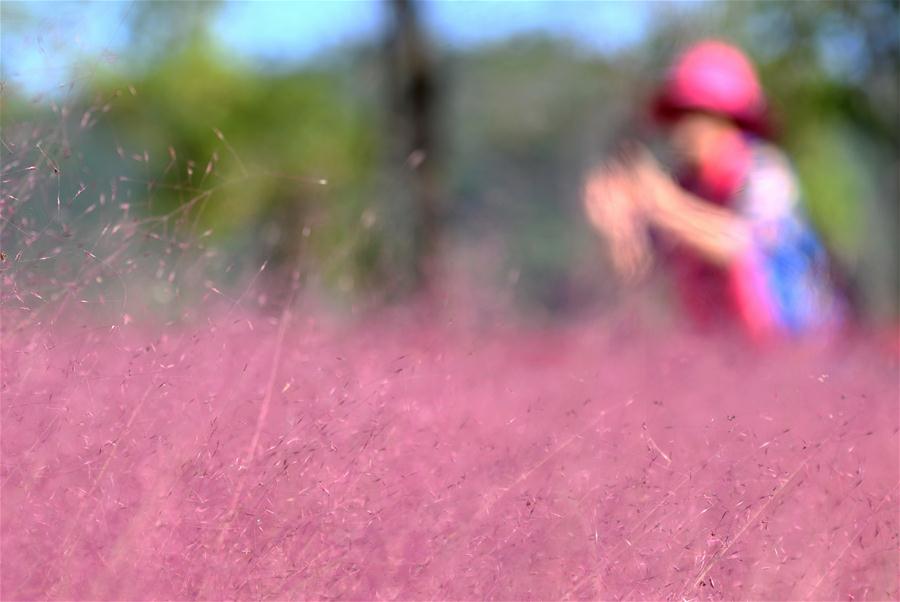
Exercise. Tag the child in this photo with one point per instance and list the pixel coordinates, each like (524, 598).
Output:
(741, 247)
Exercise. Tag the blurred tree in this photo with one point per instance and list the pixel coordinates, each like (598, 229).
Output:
(277, 165)
(414, 101)
(529, 114)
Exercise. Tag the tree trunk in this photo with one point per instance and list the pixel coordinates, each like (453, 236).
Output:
(413, 102)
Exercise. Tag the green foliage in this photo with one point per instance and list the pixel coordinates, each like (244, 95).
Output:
(834, 185)
(279, 163)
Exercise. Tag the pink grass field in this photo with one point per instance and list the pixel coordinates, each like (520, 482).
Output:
(254, 457)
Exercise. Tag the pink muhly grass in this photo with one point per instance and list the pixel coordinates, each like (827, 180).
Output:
(228, 451)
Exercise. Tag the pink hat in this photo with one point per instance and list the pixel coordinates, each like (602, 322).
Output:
(714, 77)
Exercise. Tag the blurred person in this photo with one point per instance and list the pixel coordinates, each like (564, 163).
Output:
(736, 238)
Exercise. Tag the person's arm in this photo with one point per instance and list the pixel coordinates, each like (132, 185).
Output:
(624, 197)
(719, 234)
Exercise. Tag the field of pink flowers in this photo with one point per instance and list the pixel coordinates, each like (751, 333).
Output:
(239, 452)
(252, 456)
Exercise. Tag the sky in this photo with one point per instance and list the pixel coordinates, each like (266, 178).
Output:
(40, 42)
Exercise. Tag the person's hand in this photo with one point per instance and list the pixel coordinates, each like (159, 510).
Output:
(611, 199)
(652, 186)
(718, 233)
